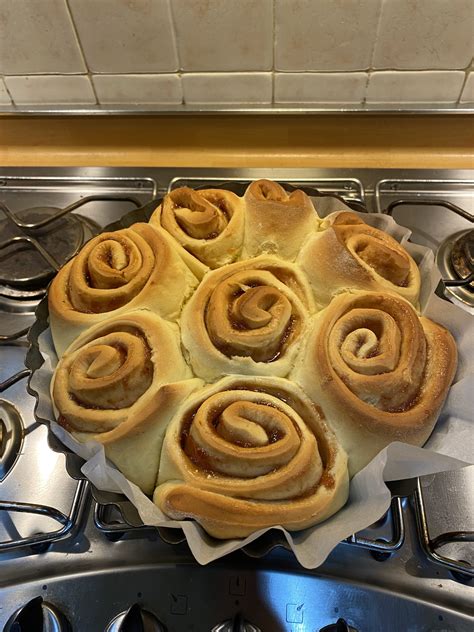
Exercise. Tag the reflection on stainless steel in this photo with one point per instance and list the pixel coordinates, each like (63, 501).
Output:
(340, 626)
(411, 568)
(11, 437)
(289, 109)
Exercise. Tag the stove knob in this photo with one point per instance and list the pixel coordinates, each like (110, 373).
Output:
(135, 619)
(236, 624)
(37, 616)
(339, 626)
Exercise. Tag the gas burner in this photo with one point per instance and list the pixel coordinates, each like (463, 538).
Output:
(36, 243)
(462, 256)
(11, 437)
(455, 259)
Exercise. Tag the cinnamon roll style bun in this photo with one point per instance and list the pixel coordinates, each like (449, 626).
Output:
(119, 383)
(248, 317)
(206, 226)
(113, 273)
(349, 254)
(249, 453)
(379, 371)
(277, 222)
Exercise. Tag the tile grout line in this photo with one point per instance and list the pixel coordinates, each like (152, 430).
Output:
(468, 69)
(370, 69)
(466, 77)
(179, 72)
(273, 51)
(8, 91)
(79, 45)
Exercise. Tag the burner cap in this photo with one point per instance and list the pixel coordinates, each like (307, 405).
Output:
(462, 255)
(20, 264)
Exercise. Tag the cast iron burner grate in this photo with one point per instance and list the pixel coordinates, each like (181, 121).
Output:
(22, 265)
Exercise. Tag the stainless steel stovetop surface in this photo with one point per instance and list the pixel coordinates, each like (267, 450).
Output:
(396, 575)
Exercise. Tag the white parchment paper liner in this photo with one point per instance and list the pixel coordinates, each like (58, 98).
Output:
(449, 447)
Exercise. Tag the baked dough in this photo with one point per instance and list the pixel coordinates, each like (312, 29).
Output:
(248, 453)
(114, 273)
(249, 317)
(120, 383)
(379, 371)
(206, 226)
(277, 222)
(349, 254)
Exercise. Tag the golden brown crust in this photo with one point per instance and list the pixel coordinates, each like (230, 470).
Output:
(380, 372)
(248, 317)
(207, 226)
(248, 453)
(119, 384)
(349, 254)
(277, 222)
(113, 273)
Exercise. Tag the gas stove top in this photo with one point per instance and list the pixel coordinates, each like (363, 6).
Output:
(67, 560)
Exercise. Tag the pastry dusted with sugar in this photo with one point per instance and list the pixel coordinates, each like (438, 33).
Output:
(206, 226)
(248, 453)
(120, 383)
(116, 272)
(248, 317)
(277, 222)
(347, 254)
(379, 371)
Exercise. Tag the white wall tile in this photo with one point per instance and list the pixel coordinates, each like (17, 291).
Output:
(138, 89)
(434, 86)
(37, 36)
(4, 96)
(324, 35)
(467, 95)
(124, 36)
(323, 87)
(224, 34)
(236, 87)
(425, 34)
(50, 90)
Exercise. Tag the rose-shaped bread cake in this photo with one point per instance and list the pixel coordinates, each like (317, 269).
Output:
(379, 371)
(247, 453)
(120, 383)
(207, 226)
(248, 317)
(347, 254)
(277, 222)
(114, 273)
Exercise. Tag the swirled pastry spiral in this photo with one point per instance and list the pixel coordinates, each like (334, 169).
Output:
(379, 371)
(248, 317)
(119, 384)
(248, 453)
(347, 254)
(207, 226)
(277, 222)
(115, 272)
